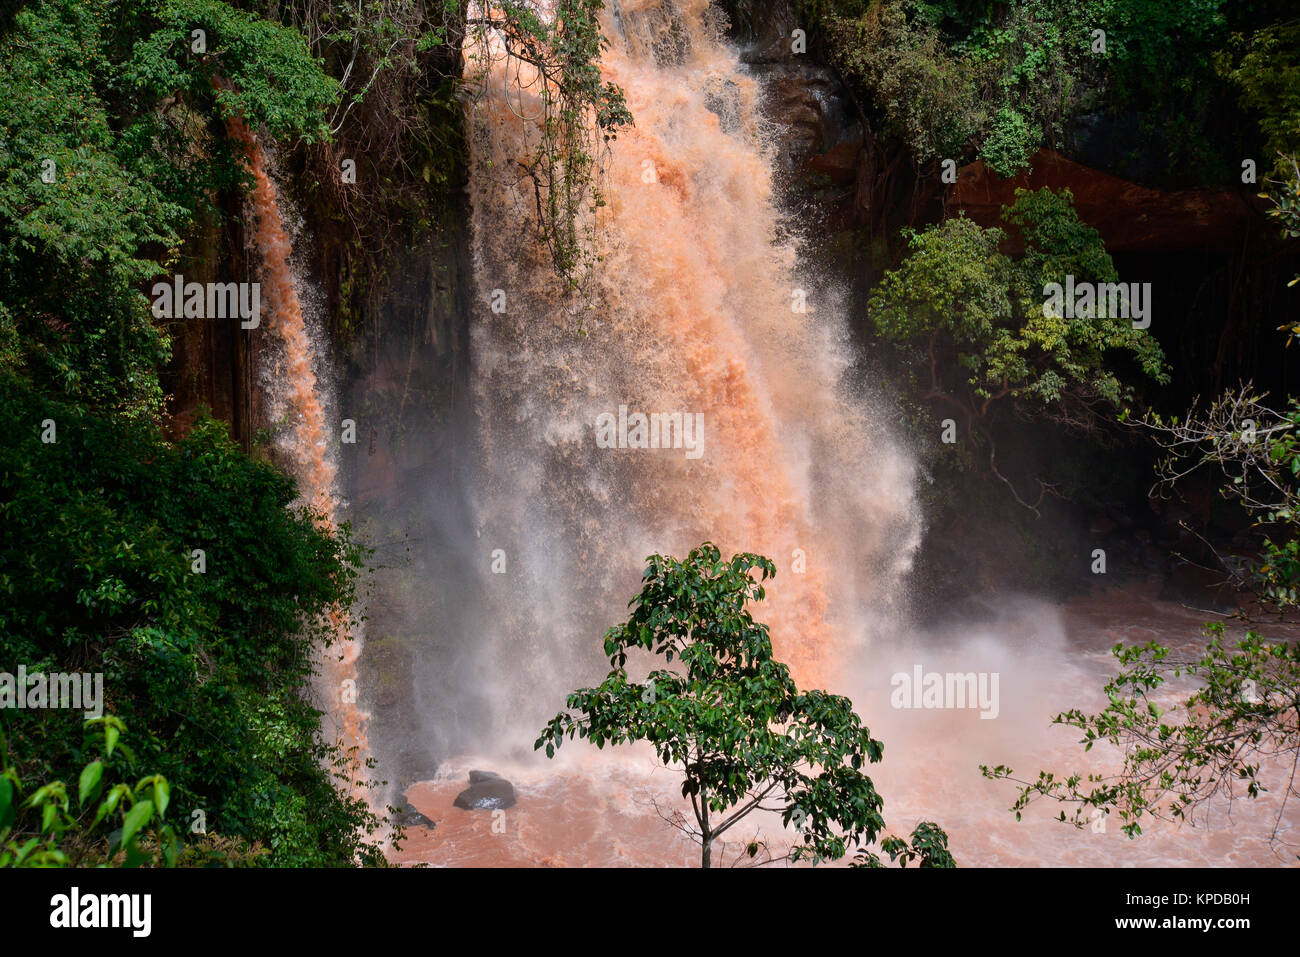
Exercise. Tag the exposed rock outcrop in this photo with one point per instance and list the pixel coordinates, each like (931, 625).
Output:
(487, 791)
(410, 817)
(1127, 215)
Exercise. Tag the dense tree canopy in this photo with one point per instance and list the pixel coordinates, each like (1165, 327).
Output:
(956, 290)
(1000, 80)
(205, 668)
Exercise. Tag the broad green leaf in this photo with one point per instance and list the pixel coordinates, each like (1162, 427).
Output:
(161, 795)
(88, 786)
(136, 818)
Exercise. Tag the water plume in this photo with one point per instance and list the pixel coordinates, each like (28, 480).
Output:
(296, 395)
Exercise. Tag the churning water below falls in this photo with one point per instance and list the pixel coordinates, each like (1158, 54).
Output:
(607, 808)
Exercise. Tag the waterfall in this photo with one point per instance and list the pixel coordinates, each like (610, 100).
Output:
(296, 395)
(699, 305)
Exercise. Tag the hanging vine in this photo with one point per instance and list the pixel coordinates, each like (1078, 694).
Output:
(555, 61)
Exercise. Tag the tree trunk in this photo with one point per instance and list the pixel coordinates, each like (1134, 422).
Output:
(706, 835)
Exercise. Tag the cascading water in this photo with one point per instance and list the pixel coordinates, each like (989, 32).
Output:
(694, 308)
(296, 396)
(698, 307)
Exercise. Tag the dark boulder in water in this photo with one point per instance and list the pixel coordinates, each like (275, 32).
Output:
(410, 817)
(487, 791)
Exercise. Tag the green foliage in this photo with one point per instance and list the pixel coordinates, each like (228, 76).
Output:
(1210, 745)
(1276, 575)
(208, 669)
(1265, 66)
(929, 849)
(927, 97)
(953, 280)
(72, 252)
(1009, 143)
(118, 124)
(43, 830)
(1286, 202)
(251, 67)
(957, 291)
(949, 78)
(730, 715)
(1266, 69)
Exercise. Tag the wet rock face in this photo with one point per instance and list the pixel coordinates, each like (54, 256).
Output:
(757, 24)
(658, 30)
(487, 791)
(839, 164)
(804, 98)
(809, 104)
(410, 817)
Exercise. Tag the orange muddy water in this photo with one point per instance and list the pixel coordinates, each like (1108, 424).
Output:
(607, 808)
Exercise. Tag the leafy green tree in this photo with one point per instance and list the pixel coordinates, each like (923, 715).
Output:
(72, 250)
(1265, 67)
(249, 66)
(730, 715)
(1010, 142)
(929, 849)
(207, 663)
(924, 94)
(105, 158)
(957, 302)
(1002, 79)
(1285, 196)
